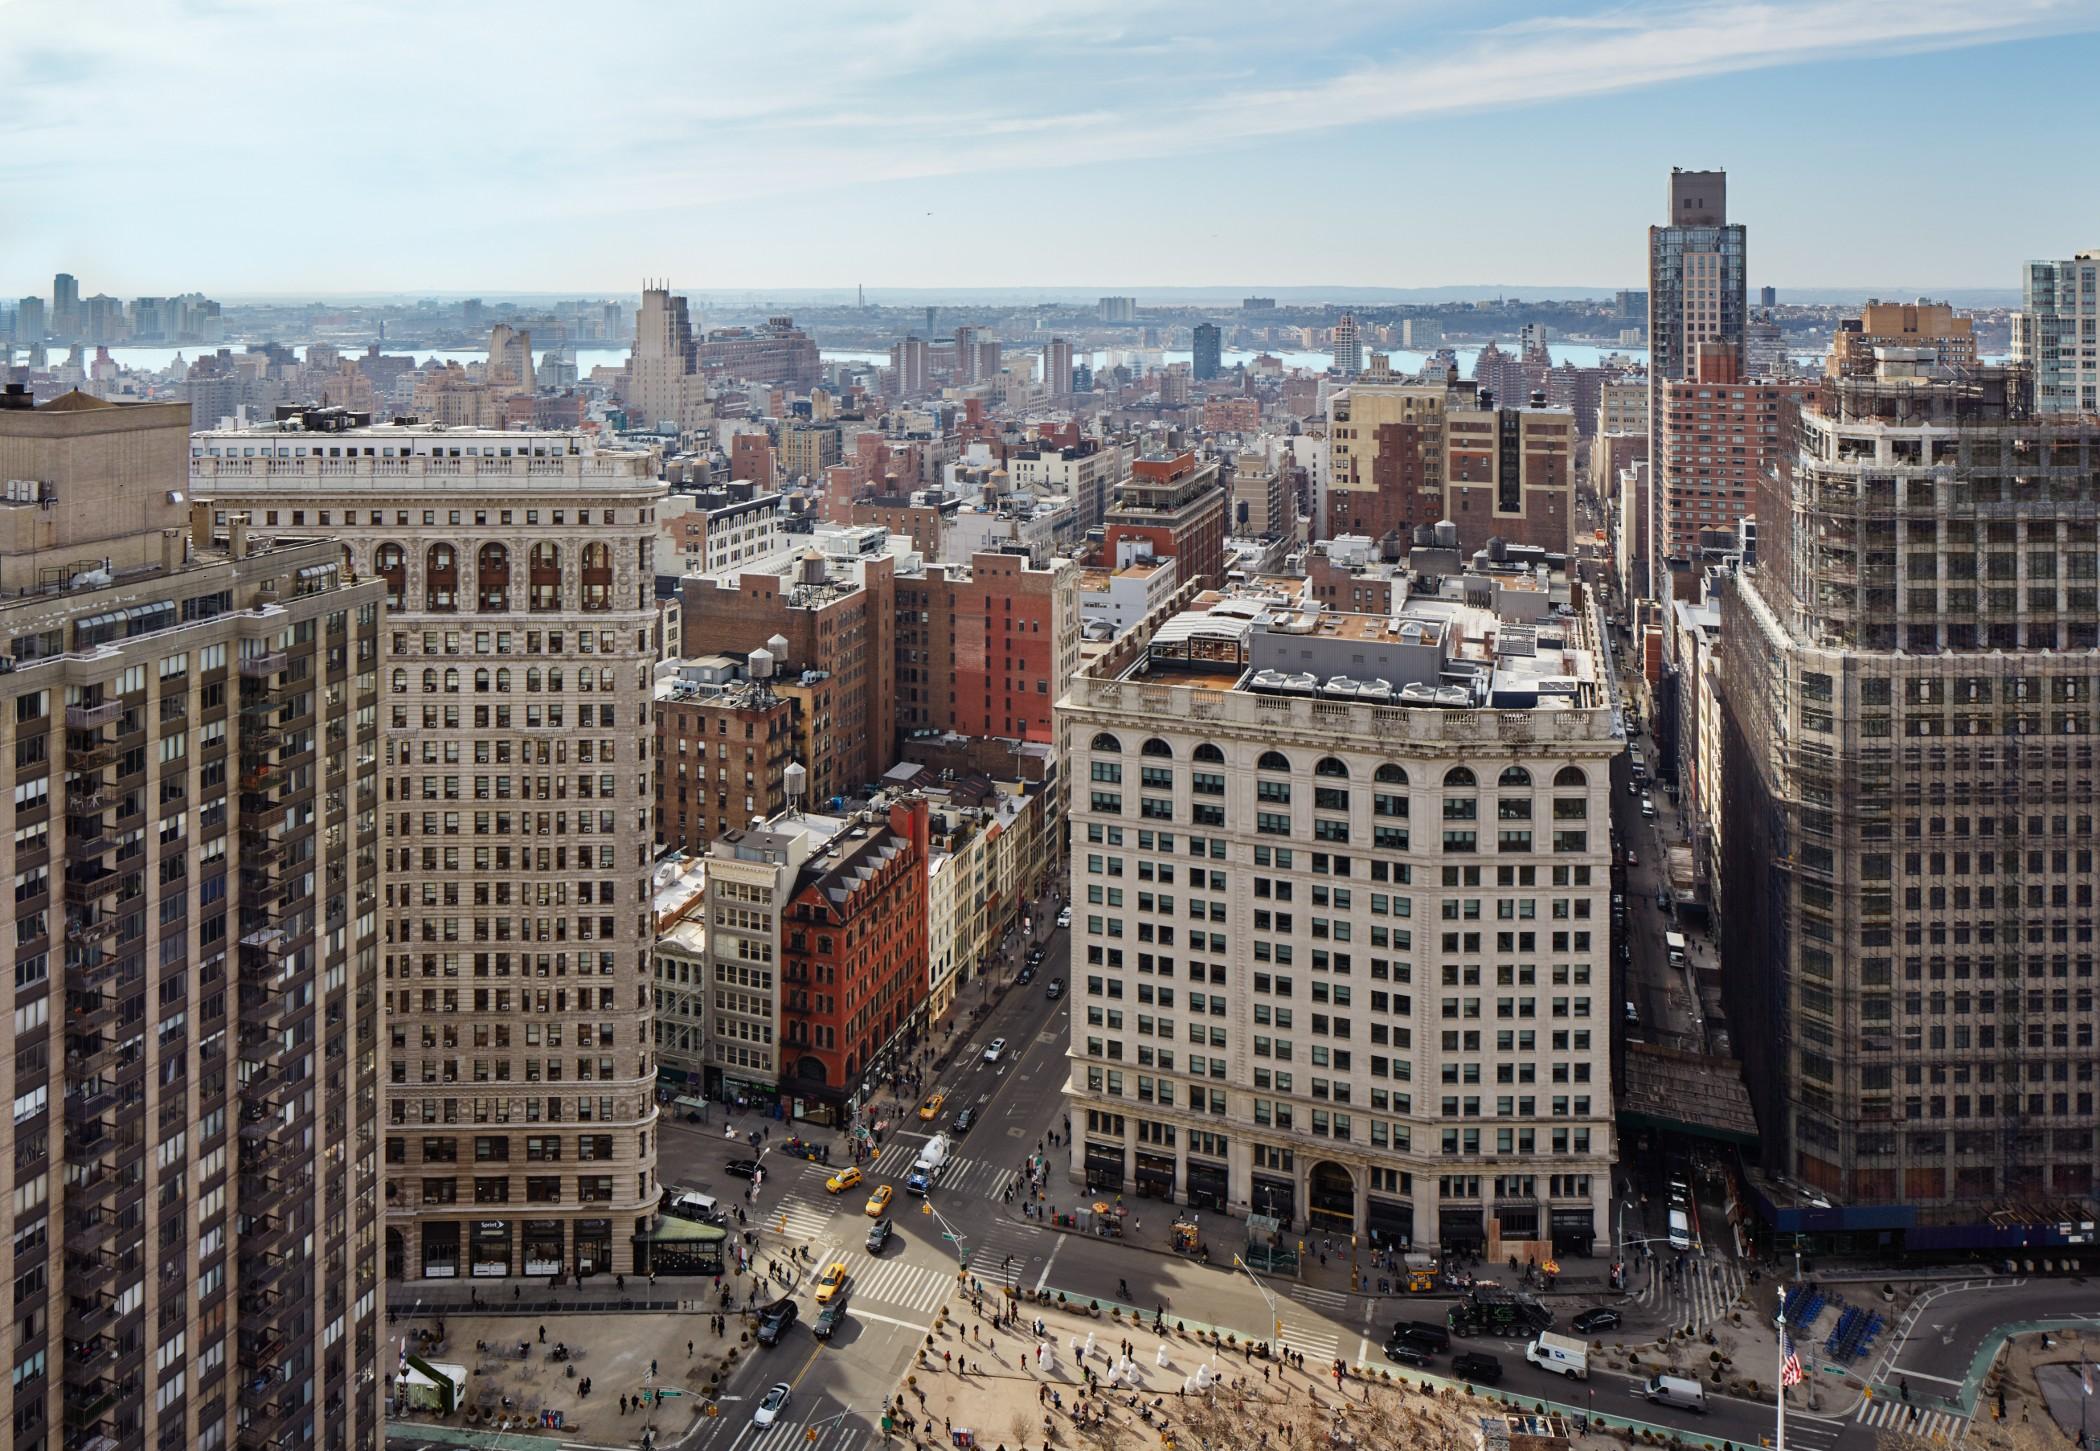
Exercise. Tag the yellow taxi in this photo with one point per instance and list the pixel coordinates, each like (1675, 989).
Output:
(931, 1108)
(879, 1200)
(831, 1282)
(844, 1179)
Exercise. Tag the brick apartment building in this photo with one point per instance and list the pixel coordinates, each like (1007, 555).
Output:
(840, 625)
(1720, 433)
(986, 649)
(1179, 505)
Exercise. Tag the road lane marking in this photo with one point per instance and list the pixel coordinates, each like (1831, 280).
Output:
(1045, 1278)
(860, 1314)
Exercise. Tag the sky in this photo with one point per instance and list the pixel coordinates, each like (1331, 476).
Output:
(329, 147)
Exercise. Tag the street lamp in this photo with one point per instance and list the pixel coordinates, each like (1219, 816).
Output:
(1275, 1314)
(949, 1232)
(810, 1435)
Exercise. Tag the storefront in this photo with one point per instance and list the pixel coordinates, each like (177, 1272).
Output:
(543, 1246)
(1209, 1185)
(440, 1249)
(1155, 1175)
(1574, 1230)
(593, 1246)
(1461, 1227)
(1390, 1221)
(1518, 1219)
(491, 1249)
(680, 1247)
(1277, 1198)
(1104, 1166)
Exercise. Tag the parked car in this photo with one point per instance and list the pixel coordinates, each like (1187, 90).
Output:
(1589, 1322)
(776, 1320)
(1026, 974)
(741, 1168)
(1409, 1352)
(772, 1404)
(1064, 917)
(1478, 1367)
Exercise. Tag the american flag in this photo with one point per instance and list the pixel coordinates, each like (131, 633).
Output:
(1790, 1367)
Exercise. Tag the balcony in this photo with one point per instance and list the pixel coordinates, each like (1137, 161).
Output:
(91, 753)
(88, 1231)
(86, 794)
(90, 1056)
(87, 1189)
(87, 837)
(259, 667)
(89, 884)
(262, 1313)
(89, 1315)
(90, 1012)
(94, 717)
(92, 1103)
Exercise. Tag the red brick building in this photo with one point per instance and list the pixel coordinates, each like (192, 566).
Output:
(1720, 433)
(1180, 506)
(853, 969)
(986, 650)
(751, 457)
(722, 748)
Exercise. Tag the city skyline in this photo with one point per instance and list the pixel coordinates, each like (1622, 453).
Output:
(605, 180)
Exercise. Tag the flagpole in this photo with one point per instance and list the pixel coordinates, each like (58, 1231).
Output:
(1779, 1439)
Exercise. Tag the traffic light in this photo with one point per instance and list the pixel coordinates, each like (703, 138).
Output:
(810, 1435)
(925, 1208)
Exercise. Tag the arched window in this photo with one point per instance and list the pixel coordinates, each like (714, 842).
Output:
(543, 577)
(1273, 761)
(1571, 776)
(430, 680)
(554, 679)
(1330, 766)
(503, 680)
(391, 565)
(1514, 778)
(532, 679)
(1391, 775)
(441, 578)
(1156, 747)
(1106, 742)
(492, 579)
(597, 576)
(451, 681)
(400, 681)
(1210, 755)
(1459, 778)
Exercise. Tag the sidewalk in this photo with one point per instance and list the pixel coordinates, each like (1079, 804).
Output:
(1109, 1381)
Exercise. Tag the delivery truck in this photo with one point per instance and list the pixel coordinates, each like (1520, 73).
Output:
(1561, 1354)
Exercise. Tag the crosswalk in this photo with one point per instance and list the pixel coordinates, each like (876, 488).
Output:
(966, 1175)
(831, 1432)
(1316, 1342)
(1705, 1293)
(1889, 1413)
(890, 1281)
(1325, 1299)
(796, 1218)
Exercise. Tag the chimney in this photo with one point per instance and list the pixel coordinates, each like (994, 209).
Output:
(237, 536)
(17, 396)
(170, 550)
(200, 528)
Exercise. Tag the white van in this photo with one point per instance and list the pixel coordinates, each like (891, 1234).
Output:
(1675, 1390)
(1675, 943)
(1647, 808)
(685, 1204)
(1680, 1230)
(1561, 1354)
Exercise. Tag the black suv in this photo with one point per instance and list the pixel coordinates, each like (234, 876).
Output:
(1026, 974)
(964, 1120)
(1436, 1337)
(1409, 1352)
(776, 1320)
(1478, 1368)
(879, 1234)
(741, 1168)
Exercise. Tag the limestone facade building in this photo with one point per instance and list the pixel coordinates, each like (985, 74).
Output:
(1340, 936)
(517, 811)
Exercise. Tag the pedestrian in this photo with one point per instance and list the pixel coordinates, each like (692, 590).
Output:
(543, 1335)
(652, 1368)
(623, 1405)
(689, 1350)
